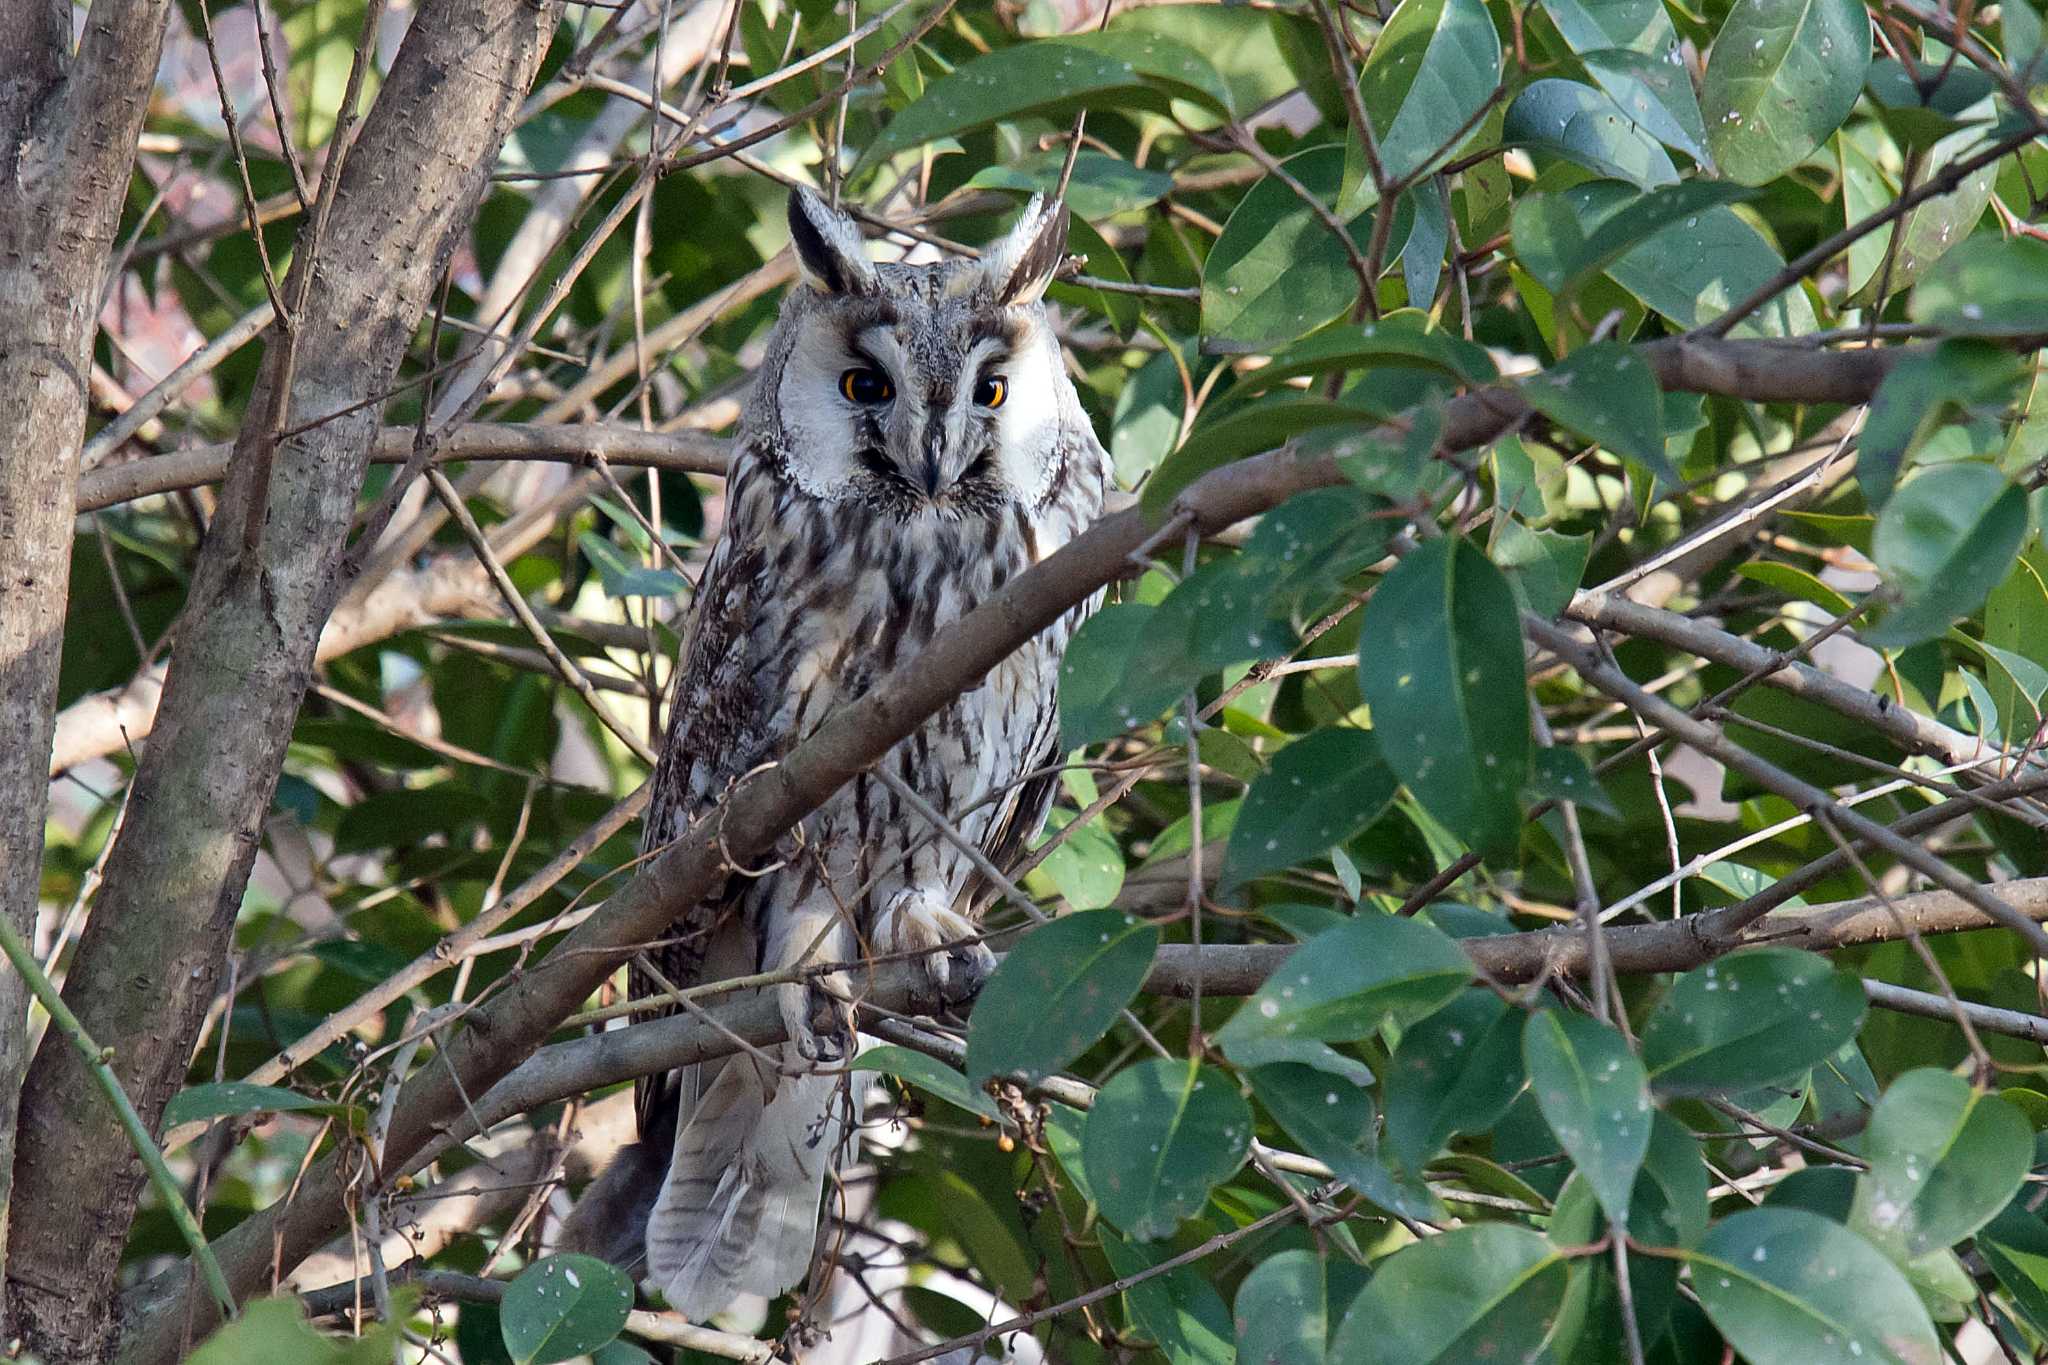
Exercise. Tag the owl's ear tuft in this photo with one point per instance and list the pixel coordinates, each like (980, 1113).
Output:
(828, 246)
(1023, 263)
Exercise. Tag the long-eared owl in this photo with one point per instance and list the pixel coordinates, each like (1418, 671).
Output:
(911, 443)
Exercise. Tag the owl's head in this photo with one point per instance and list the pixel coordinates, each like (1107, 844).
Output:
(920, 389)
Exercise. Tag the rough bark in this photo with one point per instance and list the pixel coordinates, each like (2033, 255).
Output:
(68, 126)
(267, 578)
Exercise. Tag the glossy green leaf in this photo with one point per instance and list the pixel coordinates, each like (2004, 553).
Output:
(1100, 186)
(1543, 566)
(1333, 1121)
(1592, 25)
(1247, 431)
(1101, 693)
(1440, 662)
(928, 1074)
(1989, 286)
(563, 1306)
(1430, 72)
(1656, 93)
(1788, 1287)
(1944, 1159)
(1485, 1291)
(1178, 1310)
(1278, 272)
(1321, 790)
(1931, 228)
(1594, 1096)
(1282, 1312)
(1755, 1017)
(1162, 1134)
(1925, 389)
(1315, 540)
(1781, 77)
(230, 1099)
(1607, 393)
(1560, 774)
(1587, 128)
(1403, 337)
(1563, 245)
(1943, 542)
(1056, 993)
(2015, 1246)
(1343, 985)
(1455, 1072)
(1087, 866)
(1795, 583)
(1052, 75)
(1921, 108)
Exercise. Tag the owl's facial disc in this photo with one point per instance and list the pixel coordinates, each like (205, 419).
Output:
(928, 416)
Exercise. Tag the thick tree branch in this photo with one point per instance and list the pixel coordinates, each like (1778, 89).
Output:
(146, 964)
(68, 128)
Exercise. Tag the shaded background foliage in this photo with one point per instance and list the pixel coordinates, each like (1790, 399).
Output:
(1693, 345)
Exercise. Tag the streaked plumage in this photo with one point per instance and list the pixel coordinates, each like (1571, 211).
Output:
(911, 443)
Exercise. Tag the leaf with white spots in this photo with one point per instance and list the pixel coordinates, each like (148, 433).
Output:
(1321, 790)
(1282, 1313)
(1595, 1098)
(1944, 1157)
(1440, 662)
(563, 1306)
(1486, 1291)
(1754, 1017)
(1334, 1122)
(1454, 1072)
(1101, 694)
(1163, 1134)
(1788, 1287)
(1088, 865)
(1344, 985)
(1057, 992)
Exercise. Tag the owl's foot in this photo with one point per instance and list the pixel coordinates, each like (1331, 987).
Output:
(945, 944)
(817, 1019)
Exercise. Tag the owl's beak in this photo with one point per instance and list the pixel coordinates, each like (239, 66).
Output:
(932, 466)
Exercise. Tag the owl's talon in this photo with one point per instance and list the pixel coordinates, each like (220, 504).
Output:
(816, 1021)
(950, 957)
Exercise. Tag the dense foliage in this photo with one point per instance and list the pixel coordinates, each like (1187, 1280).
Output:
(1633, 712)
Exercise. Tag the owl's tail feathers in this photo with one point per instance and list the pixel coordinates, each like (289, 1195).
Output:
(738, 1212)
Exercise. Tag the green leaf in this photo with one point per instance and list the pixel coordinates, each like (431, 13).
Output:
(1756, 1017)
(1333, 1121)
(563, 1306)
(1657, 93)
(1788, 1287)
(226, 1099)
(1321, 790)
(1944, 541)
(1594, 1096)
(1247, 431)
(1088, 866)
(1056, 993)
(1923, 391)
(2016, 623)
(1586, 128)
(1101, 185)
(1052, 75)
(1607, 393)
(625, 577)
(1162, 1134)
(1560, 774)
(2015, 1246)
(1282, 1311)
(1931, 228)
(1796, 583)
(1402, 337)
(1178, 1310)
(1563, 250)
(1278, 272)
(929, 1075)
(1989, 286)
(1343, 985)
(1944, 1159)
(1920, 115)
(1440, 663)
(1317, 539)
(1781, 77)
(1430, 72)
(1097, 698)
(1455, 1072)
(274, 1331)
(1590, 25)
(1544, 567)
(1485, 1291)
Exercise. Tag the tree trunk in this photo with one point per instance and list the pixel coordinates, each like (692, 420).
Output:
(268, 575)
(67, 139)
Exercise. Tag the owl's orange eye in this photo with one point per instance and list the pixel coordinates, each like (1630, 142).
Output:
(866, 386)
(991, 391)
